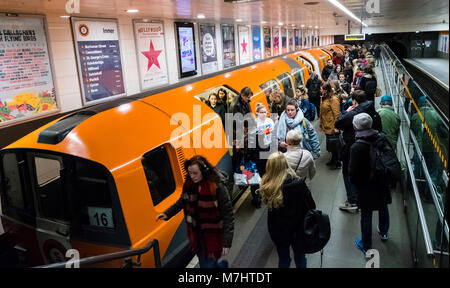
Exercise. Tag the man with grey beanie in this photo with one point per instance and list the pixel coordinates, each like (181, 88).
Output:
(372, 195)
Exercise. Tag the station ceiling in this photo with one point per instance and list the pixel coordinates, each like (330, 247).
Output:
(310, 13)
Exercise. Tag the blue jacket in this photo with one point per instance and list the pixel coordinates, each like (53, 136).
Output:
(307, 109)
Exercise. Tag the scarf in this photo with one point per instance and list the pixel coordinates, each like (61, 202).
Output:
(203, 218)
(286, 124)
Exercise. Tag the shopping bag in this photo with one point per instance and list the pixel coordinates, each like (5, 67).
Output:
(247, 173)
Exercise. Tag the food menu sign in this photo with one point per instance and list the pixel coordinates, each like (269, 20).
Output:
(151, 53)
(99, 61)
(26, 81)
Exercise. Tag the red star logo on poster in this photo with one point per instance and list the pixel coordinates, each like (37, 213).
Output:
(244, 46)
(152, 56)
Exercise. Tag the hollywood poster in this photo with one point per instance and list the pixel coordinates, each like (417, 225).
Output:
(151, 54)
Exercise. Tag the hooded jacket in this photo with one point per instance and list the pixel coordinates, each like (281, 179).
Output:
(391, 124)
(369, 89)
(313, 86)
(327, 71)
(371, 195)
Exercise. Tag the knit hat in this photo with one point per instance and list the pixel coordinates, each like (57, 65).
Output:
(362, 121)
(421, 100)
(386, 99)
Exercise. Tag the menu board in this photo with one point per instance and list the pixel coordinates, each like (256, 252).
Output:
(283, 41)
(267, 43)
(99, 61)
(151, 54)
(256, 36)
(244, 47)
(187, 60)
(26, 81)
(229, 50)
(208, 48)
(276, 41)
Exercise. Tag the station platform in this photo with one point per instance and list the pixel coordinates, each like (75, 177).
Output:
(436, 68)
(253, 248)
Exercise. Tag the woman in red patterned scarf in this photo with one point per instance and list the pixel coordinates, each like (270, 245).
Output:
(208, 212)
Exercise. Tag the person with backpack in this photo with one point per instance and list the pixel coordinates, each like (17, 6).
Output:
(369, 83)
(344, 123)
(288, 200)
(313, 85)
(331, 110)
(208, 212)
(373, 168)
(308, 108)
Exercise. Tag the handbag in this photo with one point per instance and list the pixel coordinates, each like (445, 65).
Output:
(247, 173)
(334, 142)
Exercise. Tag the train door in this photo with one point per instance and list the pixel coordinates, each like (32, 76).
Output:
(52, 221)
(288, 85)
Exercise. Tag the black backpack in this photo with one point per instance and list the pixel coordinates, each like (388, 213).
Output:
(385, 167)
(316, 225)
(371, 87)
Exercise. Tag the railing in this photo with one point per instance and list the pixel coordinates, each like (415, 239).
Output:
(126, 255)
(424, 141)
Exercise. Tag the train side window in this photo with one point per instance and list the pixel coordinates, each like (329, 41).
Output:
(159, 174)
(12, 190)
(269, 87)
(286, 81)
(204, 96)
(307, 63)
(298, 76)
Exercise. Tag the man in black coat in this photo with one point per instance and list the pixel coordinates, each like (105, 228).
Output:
(344, 123)
(373, 193)
(327, 70)
(313, 86)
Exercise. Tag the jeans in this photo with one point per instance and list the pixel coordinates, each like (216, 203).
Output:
(284, 257)
(366, 224)
(352, 192)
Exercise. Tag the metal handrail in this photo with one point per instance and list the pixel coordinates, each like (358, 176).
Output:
(114, 256)
(422, 220)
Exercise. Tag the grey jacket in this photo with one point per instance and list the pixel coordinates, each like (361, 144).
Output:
(225, 208)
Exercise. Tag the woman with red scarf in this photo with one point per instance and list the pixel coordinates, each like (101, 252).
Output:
(208, 212)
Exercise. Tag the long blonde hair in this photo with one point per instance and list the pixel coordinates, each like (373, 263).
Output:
(277, 168)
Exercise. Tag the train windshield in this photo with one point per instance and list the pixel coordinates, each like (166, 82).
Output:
(61, 193)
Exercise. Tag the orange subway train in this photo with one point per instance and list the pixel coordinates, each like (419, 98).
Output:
(89, 185)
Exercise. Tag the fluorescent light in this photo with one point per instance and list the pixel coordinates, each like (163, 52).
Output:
(263, 22)
(132, 10)
(280, 23)
(316, 27)
(201, 16)
(302, 26)
(348, 12)
(238, 20)
(65, 16)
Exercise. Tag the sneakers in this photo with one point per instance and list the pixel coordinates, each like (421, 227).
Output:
(359, 244)
(383, 237)
(348, 207)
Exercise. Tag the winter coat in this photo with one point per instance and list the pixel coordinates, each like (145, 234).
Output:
(348, 74)
(330, 110)
(391, 124)
(306, 108)
(310, 141)
(285, 223)
(363, 85)
(372, 195)
(345, 124)
(220, 110)
(239, 106)
(276, 108)
(333, 76)
(313, 86)
(306, 168)
(225, 207)
(326, 72)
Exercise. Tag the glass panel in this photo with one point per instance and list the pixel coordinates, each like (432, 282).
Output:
(47, 170)
(286, 81)
(159, 174)
(298, 76)
(11, 183)
(269, 87)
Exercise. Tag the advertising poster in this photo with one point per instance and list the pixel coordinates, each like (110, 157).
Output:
(208, 48)
(99, 62)
(256, 36)
(283, 41)
(229, 51)
(186, 46)
(26, 81)
(291, 40)
(297, 38)
(151, 53)
(244, 47)
(267, 43)
(276, 41)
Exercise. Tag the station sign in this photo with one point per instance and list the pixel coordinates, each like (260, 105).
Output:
(355, 37)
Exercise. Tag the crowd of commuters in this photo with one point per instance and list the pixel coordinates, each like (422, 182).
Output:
(342, 106)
